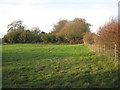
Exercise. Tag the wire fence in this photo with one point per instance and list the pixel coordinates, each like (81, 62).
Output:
(108, 51)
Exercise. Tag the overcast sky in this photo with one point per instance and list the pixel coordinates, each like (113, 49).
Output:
(45, 13)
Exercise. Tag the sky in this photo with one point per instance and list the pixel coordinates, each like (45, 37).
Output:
(45, 13)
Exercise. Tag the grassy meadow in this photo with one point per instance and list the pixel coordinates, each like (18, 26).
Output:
(54, 66)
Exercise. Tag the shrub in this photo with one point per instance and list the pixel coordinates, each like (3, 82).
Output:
(89, 38)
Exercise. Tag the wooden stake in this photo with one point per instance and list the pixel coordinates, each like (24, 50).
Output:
(115, 52)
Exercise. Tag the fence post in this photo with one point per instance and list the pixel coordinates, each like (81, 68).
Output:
(98, 48)
(93, 47)
(104, 50)
(115, 52)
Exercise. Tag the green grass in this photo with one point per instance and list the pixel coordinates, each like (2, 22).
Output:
(54, 66)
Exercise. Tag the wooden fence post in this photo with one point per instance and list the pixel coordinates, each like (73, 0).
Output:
(104, 49)
(115, 52)
(98, 48)
(93, 47)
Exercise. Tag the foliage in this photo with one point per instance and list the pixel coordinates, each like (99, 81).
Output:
(63, 32)
(108, 33)
(89, 38)
(26, 37)
(12, 37)
(58, 27)
(35, 30)
(73, 30)
(48, 38)
(16, 26)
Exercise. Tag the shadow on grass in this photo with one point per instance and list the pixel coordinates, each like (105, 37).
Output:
(100, 80)
(108, 79)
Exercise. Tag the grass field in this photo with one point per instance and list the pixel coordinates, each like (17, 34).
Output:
(54, 66)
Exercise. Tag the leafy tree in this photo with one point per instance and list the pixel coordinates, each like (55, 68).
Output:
(71, 31)
(108, 33)
(75, 30)
(26, 37)
(35, 30)
(52, 39)
(60, 39)
(12, 37)
(16, 25)
(5, 39)
(48, 38)
(59, 26)
(44, 38)
(43, 32)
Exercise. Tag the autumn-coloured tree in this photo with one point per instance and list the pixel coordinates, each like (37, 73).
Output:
(72, 31)
(108, 33)
(89, 38)
(58, 27)
(75, 30)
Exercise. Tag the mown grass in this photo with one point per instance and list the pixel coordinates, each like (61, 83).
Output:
(54, 66)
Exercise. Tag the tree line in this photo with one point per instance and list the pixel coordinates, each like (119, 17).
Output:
(64, 31)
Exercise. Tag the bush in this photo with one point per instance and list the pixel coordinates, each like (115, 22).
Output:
(89, 38)
(108, 33)
(12, 37)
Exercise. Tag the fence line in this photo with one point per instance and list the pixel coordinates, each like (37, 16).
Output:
(108, 51)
